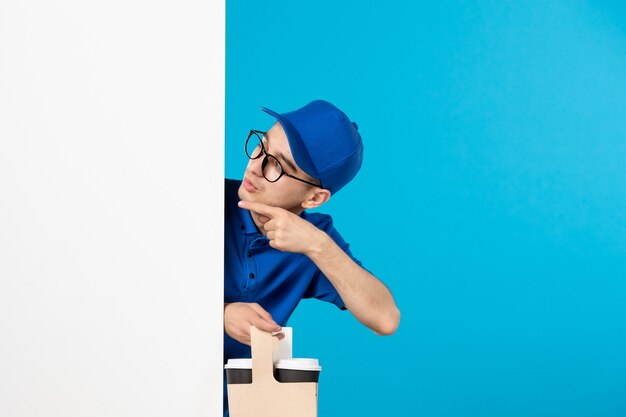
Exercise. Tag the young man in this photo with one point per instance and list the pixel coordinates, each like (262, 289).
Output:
(276, 253)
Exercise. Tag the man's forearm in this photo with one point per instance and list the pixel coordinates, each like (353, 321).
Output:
(367, 298)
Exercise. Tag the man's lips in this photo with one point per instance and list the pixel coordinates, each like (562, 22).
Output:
(248, 185)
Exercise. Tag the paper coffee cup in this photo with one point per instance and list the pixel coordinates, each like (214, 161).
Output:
(297, 370)
(238, 371)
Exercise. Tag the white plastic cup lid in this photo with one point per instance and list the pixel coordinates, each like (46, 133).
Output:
(299, 364)
(239, 364)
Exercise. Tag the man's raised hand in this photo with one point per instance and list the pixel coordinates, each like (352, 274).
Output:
(285, 230)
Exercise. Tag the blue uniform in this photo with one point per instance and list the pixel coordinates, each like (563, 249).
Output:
(254, 272)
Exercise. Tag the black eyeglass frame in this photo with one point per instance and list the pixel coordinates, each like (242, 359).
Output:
(266, 159)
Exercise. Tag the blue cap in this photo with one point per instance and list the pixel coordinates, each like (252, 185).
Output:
(323, 142)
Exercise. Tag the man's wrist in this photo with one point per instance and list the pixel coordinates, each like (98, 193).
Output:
(319, 246)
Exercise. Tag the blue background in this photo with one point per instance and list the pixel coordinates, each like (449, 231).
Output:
(492, 199)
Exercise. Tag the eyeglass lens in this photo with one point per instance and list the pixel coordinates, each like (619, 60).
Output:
(254, 146)
(272, 170)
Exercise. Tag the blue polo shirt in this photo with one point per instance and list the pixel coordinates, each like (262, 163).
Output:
(254, 272)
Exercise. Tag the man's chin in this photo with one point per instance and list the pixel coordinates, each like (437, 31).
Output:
(245, 194)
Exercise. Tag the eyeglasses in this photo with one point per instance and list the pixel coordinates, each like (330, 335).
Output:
(270, 166)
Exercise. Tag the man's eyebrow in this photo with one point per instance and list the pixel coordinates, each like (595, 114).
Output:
(288, 162)
(281, 156)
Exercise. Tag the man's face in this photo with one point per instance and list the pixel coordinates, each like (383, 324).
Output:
(286, 193)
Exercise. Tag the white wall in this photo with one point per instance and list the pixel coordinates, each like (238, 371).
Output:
(111, 178)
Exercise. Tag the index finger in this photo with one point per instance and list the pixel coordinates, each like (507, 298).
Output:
(262, 324)
(258, 208)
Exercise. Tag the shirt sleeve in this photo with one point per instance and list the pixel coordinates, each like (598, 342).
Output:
(320, 286)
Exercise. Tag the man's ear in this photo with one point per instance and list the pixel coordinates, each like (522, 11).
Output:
(316, 197)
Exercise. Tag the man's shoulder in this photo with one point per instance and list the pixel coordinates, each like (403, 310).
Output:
(320, 220)
(230, 187)
(230, 183)
(231, 197)
(325, 222)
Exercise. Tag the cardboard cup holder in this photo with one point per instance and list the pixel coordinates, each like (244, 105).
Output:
(272, 383)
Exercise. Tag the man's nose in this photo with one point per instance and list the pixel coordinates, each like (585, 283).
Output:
(255, 166)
